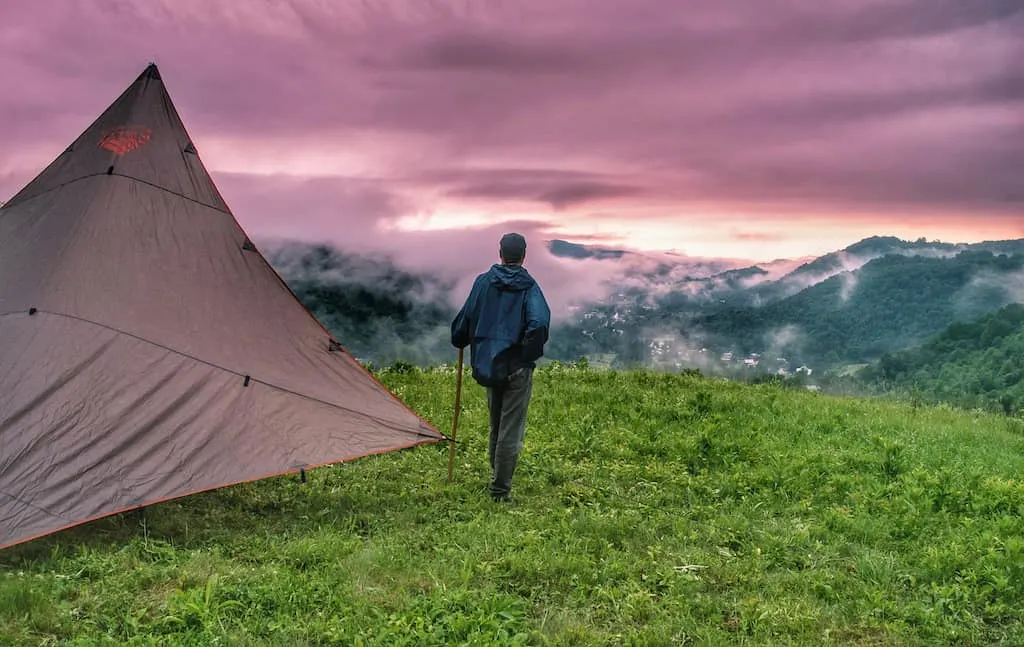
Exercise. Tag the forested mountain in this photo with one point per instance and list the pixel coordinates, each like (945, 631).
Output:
(889, 303)
(379, 312)
(873, 298)
(574, 250)
(857, 255)
(978, 363)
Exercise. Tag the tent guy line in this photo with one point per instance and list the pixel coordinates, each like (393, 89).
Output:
(248, 379)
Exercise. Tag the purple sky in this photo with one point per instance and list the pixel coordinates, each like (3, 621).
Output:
(760, 130)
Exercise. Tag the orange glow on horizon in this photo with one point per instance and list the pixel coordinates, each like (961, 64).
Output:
(719, 236)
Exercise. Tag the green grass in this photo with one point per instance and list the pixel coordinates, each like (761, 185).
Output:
(653, 509)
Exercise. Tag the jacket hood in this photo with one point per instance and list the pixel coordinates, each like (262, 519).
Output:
(510, 278)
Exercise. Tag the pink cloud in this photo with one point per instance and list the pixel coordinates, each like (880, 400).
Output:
(645, 119)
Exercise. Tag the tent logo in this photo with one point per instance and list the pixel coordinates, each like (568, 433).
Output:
(124, 139)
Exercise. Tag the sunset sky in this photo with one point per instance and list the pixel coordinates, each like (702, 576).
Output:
(759, 129)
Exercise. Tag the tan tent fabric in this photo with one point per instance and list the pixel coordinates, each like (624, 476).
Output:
(147, 349)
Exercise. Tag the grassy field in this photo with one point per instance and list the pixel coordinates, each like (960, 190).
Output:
(652, 510)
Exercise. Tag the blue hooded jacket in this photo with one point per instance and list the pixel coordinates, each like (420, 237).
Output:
(505, 322)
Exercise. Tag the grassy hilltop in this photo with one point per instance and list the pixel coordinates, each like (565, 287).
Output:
(654, 509)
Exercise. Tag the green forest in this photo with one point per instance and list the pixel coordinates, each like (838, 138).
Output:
(889, 304)
(956, 303)
(976, 364)
(379, 312)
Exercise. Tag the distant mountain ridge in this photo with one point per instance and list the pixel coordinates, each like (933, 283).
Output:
(876, 296)
(851, 258)
(889, 302)
(566, 249)
(377, 311)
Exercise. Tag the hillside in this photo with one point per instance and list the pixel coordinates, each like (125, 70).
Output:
(654, 509)
(849, 260)
(382, 313)
(889, 303)
(971, 364)
(877, 296)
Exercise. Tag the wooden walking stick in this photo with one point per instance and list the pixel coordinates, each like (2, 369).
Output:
(455, 417)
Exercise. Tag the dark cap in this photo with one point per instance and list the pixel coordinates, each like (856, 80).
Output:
(513, 248)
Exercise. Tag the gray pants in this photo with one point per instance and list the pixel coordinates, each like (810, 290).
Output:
(508, 406)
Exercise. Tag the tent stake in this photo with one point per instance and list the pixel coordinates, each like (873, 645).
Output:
(455, 416)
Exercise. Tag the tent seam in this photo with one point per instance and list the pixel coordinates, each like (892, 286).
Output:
(113, 174)
(282, 389)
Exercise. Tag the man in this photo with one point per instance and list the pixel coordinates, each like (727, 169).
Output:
(505, 321)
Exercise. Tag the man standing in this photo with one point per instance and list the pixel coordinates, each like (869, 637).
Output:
(505, 322)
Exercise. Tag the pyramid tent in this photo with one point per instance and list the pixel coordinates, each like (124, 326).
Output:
(147, 349)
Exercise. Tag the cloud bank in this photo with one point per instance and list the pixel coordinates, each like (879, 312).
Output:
(428, 127)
